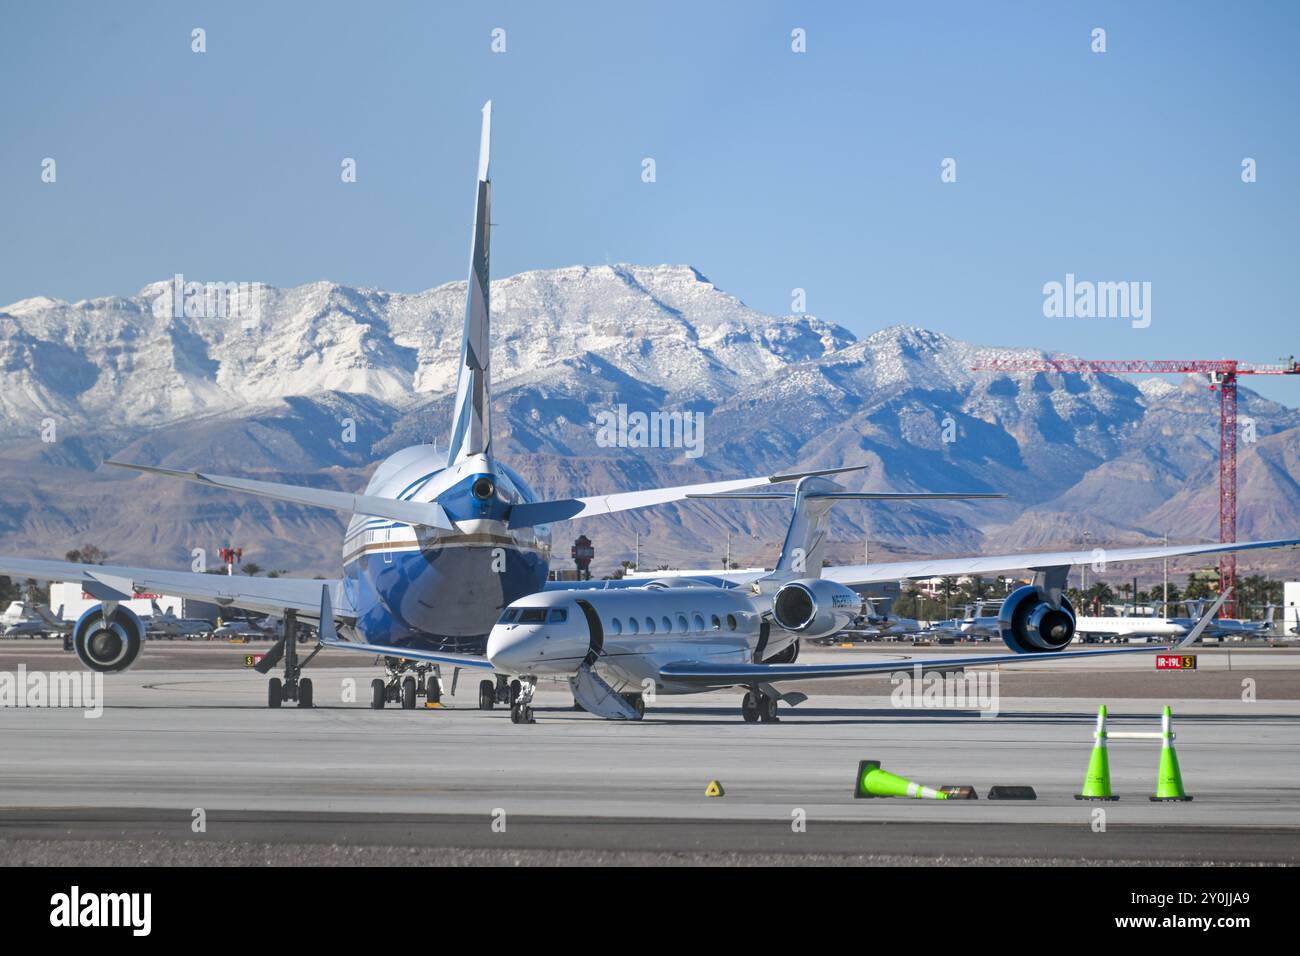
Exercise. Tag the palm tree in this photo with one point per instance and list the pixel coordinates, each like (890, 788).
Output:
(1098, 595)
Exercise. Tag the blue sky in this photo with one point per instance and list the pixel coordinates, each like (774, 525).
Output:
(775, 170)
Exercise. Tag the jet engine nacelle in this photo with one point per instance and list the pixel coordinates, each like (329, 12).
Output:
(108, 645)
(1030, 625)
(815, 607)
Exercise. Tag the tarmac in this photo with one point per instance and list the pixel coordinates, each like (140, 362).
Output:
(341, 783)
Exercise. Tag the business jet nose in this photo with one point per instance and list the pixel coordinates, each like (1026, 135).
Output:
(509, 648)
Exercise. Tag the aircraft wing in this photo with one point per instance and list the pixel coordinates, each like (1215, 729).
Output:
(851, 575)
(409, 653)
(527, 514)
(116, 582)
(730, 675)
(704, 674)
(426, 513)
(989, 564)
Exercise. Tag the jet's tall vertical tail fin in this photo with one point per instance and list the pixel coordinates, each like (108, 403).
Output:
(805, 541)
(471, 431)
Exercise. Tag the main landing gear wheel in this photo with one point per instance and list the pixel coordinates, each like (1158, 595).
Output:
(487, 694)
(522, 714)
(377, 694)
(408, 694)
(637, 702)
(293, 687)
(433, 690)
(757, 707)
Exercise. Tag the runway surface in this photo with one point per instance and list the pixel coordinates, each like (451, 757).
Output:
(343, 783)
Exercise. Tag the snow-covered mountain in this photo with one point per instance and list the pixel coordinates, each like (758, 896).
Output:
(128, 361)
(272, 394)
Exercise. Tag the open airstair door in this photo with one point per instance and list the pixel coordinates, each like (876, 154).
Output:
(598, 698)
(589, 689)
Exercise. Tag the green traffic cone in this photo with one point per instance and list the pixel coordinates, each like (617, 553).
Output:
(874, 782)
(1169, 783)
(1096, 784)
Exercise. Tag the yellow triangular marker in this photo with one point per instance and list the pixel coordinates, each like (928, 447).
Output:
(714, 789)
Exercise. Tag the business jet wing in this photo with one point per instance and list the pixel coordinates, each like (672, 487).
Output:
(110, 582)
(854, 575)
(705, 674)
(850, 575)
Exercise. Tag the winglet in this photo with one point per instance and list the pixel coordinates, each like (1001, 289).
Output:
(1203, 623)
(485, 142)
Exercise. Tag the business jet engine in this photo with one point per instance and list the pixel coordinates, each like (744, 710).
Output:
(1030, 625)
(108, 643)
(815, 607)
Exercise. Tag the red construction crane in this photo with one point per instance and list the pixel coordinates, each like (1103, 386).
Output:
(1222, 374)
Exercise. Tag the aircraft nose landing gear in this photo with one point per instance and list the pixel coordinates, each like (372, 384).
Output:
(521, 712)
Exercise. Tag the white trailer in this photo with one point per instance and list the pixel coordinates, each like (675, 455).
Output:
(76, 602)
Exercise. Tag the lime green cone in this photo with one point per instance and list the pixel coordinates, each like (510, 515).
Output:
(874, 782)
(1096, 783)
(1169, 783)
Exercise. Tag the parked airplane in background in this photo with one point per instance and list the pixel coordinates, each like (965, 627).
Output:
(166, 624)
(1234, 627)
(17, 612)
(436, 546)
(1127, 627)
(1123, 628)
(240, 629)
(974, 624)
(41, 624)
(885, 622)
(680, 637)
